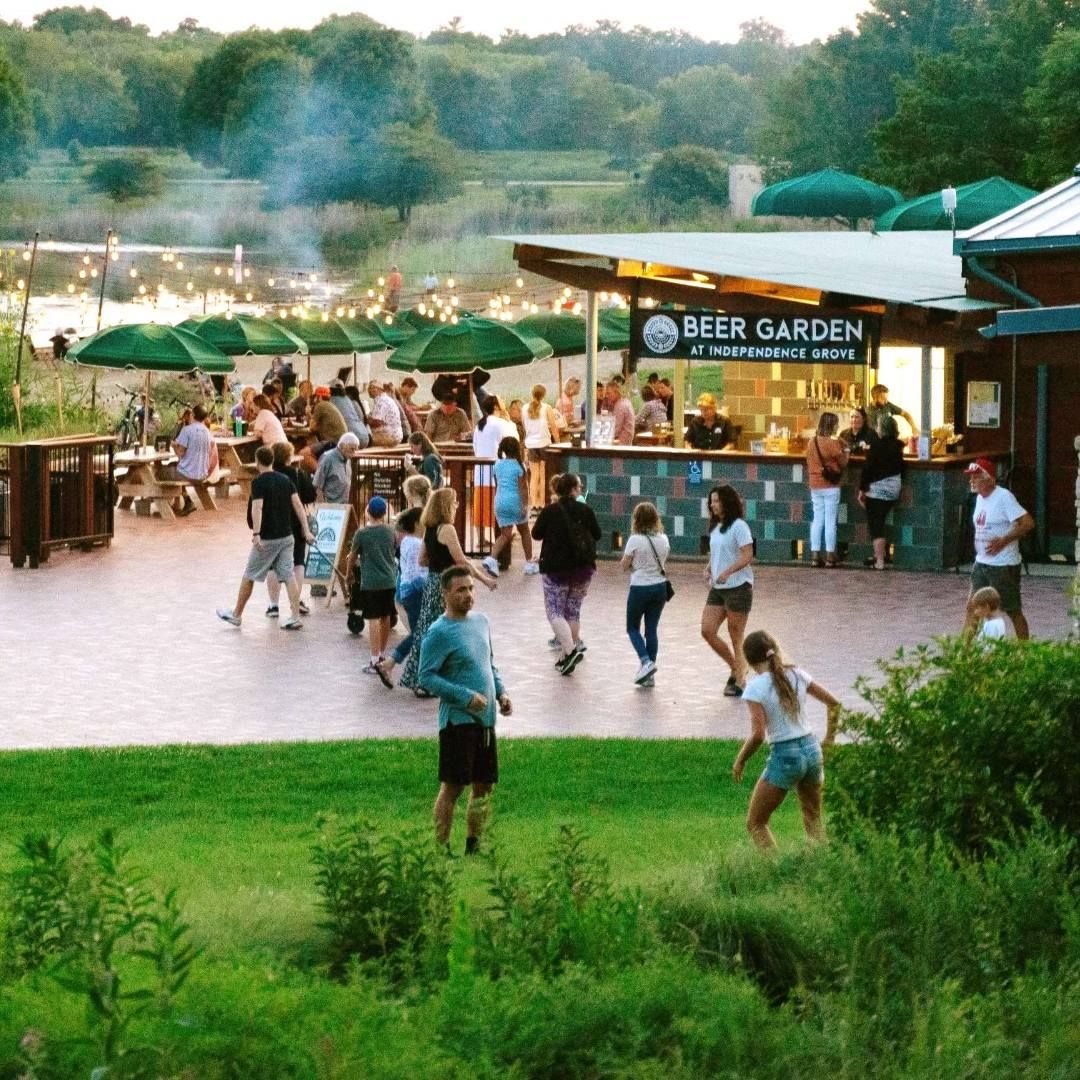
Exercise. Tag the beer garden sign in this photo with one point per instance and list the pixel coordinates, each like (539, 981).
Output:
(823, 337)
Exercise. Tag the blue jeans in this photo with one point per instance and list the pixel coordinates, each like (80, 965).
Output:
(410, 601)
(644, 602)
(826, 503)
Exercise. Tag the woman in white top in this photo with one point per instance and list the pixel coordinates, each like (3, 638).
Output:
(731, 582)
(541, 430)
(777, 699)
(267, 425)
(492, 428)
(645, 556)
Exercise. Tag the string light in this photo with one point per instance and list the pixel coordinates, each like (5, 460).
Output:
(450, 283)
(270, 282)
(520, 283)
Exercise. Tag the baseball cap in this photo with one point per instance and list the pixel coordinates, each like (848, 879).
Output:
(376, 506)
(706, 401)
(322, 391)
(981, 465)
(336, 384)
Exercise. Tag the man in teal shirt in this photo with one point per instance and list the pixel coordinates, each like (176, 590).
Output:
(457, 666)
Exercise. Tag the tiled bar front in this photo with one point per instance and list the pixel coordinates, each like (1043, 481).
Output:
(928, 529)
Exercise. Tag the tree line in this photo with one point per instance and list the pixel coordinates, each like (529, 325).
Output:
(921, 94)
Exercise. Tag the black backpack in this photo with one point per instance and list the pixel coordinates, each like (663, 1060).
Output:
(581, 540)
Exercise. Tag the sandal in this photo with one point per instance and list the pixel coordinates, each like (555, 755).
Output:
(383, 677)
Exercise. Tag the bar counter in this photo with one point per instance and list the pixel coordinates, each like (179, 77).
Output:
(929, 529)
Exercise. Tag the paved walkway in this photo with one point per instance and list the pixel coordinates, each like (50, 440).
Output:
(121, 646)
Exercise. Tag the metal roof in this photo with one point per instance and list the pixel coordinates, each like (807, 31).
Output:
(899, 267)
(1049, 220)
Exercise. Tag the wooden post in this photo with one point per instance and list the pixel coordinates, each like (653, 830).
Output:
(16, 390)
(100, 308)
(146, 411)
(679, 410)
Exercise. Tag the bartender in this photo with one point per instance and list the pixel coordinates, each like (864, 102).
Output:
(709, 430)
(881, 407)
(858, 436)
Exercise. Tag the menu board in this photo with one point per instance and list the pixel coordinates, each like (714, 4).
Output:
(984, 404)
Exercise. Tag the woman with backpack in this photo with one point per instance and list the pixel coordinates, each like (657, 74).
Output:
(569, 532)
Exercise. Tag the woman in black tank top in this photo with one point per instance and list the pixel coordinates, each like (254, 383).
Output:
(438, 554)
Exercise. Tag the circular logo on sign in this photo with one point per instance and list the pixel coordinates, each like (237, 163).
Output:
(660, 333)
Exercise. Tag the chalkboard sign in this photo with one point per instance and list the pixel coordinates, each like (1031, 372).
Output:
(331, 525)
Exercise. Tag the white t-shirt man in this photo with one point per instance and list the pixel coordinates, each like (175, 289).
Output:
(995, 514)
(725, 549)
(644, 568)
(384, 408)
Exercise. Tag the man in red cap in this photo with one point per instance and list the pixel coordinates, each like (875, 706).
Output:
(1000, 522)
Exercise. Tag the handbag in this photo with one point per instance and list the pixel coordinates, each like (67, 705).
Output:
(834, 476)
(669, 588)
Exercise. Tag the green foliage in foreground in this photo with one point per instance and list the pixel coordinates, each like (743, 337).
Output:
(679, 953)
(968, 742)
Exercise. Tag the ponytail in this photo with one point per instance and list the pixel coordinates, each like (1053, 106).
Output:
(761, 648)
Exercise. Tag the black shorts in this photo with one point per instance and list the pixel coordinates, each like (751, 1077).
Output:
(1006, 579)
(299, 551)
(376, 603)
(468, 755)
(738, 599)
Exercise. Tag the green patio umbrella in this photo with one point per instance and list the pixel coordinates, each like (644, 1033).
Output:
(975, 203)
(149, 347)
(330, 336)
(615, 328)
(471, 343)
(566, 333)
(242, 335)
(828, 193)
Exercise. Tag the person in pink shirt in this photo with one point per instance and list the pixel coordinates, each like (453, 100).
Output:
(622, 412)
(267, 425)
(567, 408)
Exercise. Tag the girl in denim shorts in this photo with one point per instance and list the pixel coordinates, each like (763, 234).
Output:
(777, 699)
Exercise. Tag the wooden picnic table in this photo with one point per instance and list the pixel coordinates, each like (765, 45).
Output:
(236, 457)
(144, 482)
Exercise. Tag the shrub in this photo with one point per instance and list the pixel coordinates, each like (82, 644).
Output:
(75, 152)
(568, 914)
(963, 742)
(388, 899)
(687, 174)
(129, 176)
(88, 919)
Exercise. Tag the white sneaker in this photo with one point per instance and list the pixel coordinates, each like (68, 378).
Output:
(227, 616)
(646, 671)
(532, 568)
(490, 565)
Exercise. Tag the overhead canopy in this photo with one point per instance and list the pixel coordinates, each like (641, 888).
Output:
(828, 193)
(975, 203)
(469, 344)
(150, 347)
(242, 335)
(912, 279)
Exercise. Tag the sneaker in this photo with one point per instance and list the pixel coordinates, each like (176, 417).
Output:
(490, 565)
(472, 845)
(292, 624)
(581, 646)
(553, 643)
(732, 688)
(371, 668)
(532, 568)
(648, 682)
(569, 663)
(646, 671)
(227, 616)
(272, 611)
(187, 508)
(304, 609)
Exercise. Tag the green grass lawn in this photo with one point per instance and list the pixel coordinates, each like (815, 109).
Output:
(233, 826)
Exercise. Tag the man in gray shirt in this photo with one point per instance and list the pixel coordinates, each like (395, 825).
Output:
(333, 477)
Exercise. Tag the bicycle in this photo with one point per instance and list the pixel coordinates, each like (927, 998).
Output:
(127, 429)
